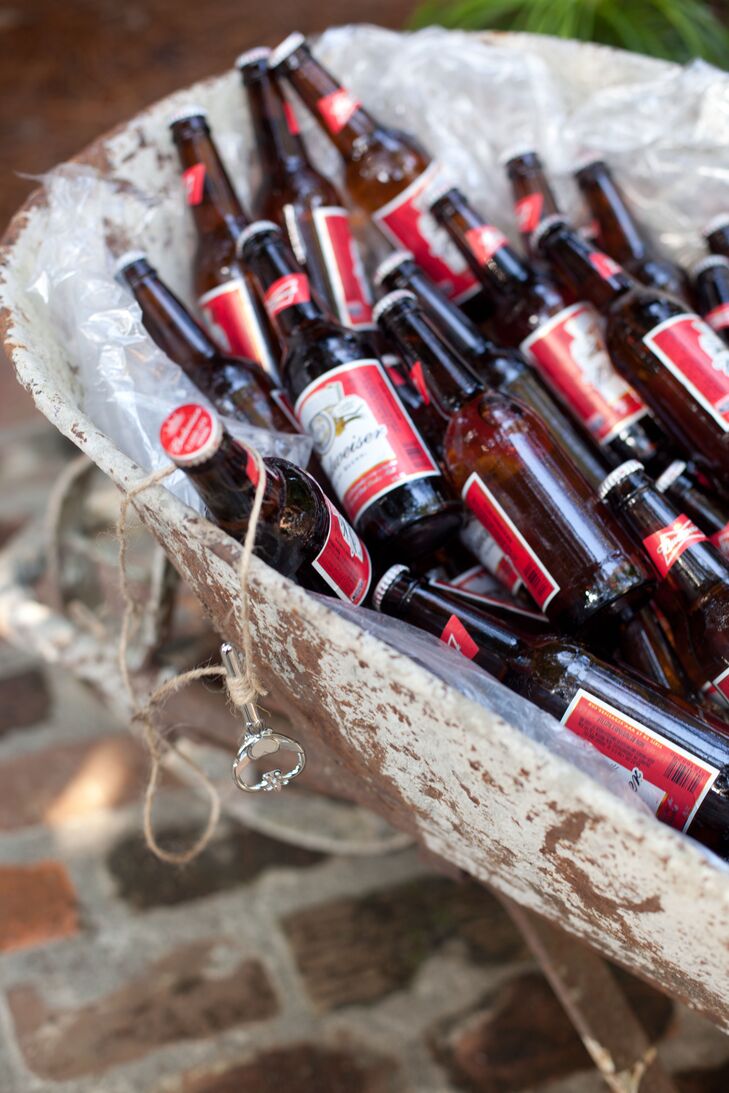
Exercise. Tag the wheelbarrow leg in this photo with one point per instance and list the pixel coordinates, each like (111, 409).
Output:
(595, 1005)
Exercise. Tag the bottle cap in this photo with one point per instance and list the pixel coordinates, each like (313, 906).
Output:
(617, 476)
(515, 151)
(191, 434)
(385, 582)
(283, 49)
(259, 53)
(669, 476)
(188, 110)
(716, 223)
(709, 262)
(585, 162)
(544, 226)
(387, 265)
(127, 259)
(258, 227)
(387, 302)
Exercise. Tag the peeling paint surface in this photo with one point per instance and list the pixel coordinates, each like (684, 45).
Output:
(384, 732)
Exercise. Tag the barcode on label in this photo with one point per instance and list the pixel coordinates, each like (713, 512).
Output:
(689, 778)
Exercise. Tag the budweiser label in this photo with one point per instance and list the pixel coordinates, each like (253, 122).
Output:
(345, 273)
(666, 545)
(570, 355)
(718, 689)
(491, 556)
(487, 600)
(343, 562)
(231, 315)
(418, 381)
(697, 357)
(289, 290)
(528, 212)
(191, 434)
(484, 241)
(718, 317)
(605, 265)
(455, 634)
(537, 578)
(363, 436)
(406, 221)
(720, 539)
(337, 108)
(194, 181)
(670, 780)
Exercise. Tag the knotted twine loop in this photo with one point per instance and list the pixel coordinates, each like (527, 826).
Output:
(245, 688)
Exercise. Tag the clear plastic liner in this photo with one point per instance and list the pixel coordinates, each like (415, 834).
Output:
(128, 384)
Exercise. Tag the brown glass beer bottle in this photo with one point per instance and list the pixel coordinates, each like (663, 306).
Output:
(672, 357)
(301, 200)
(711, 291)
(619, 235)
(578, 565)
(564, 343)
(388, 482)
(299, 532)
(644, 646)
(693, 586)
(238, 388)
(226, 294)
(389, 176)
(716, 234)
(670, 756)
(709, 513)
(503, 369)
(533, 197)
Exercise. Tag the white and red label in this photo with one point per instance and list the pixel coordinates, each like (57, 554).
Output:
(720, 539)
(670, 780)
(487, 600)
(194, 182)
(457, 637)
(698, 358)
(475, 579)
(484, 241)
(345, 272)
(407, 222)
(190, 434)
(231, 315)
(718, 317)
(491, 556)
(718, 689)
(528, 212)
(569, 353)
(532, 570)
(343, 562)
(605, 265)
(337, 108)
(363, 436)
(289, 290)
(665, 546)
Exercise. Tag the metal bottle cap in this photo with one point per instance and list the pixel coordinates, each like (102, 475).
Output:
(285, 48)
(716, 223)
(672, 472)
(259, 53)
(387, 302)
(388, 264)
(543, 227)
(258, 227)
(188, 110)
(709, 262)
(618, 475)
(515, 151)
(127, 259)
(385, 582)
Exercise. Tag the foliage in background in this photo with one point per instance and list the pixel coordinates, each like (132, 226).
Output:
(677, 29)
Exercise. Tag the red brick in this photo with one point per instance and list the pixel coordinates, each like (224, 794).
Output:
(38, 904)
(176, 998)
(24, 700)
(67, 780)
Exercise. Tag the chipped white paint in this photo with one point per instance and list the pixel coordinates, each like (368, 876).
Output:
(481, 794)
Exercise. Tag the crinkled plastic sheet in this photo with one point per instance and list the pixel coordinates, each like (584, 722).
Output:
(128, 384)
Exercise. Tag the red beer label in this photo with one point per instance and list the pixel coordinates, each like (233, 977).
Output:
(292, 122)
(343, 562)
(666, 545)
(532, 570)
(291, 289)
(720, 539)
(190, 434)
(718, 689)
(455, 634)
(418, 381)
(337, 108)
(362, 434)
(406, 221)
(343, 264)
(251, 467)
(194, 180)
(605, 265)
(491, 556)
(484, 242)
(569, 353)
(670, 780)
(697, 357)
(718, 317)
(475, 579)
(486, 599)
(232, 317)
(528, 212)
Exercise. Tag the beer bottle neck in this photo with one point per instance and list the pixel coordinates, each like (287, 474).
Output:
(533, 197)
(619, 232)
(212, 199)
(285, 287)
(590, 274)
(497, 646)
(486, 249)
(339, 112)
(279, 145)
(166, 318)
(449, 379)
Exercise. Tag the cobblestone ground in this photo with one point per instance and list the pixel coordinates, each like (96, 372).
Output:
(261, 966)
